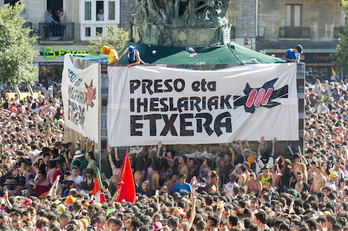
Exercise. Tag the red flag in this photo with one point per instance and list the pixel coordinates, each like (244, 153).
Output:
(98, 187)
(126, 187)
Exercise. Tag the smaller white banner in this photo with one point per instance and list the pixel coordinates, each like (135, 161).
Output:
(80, 92)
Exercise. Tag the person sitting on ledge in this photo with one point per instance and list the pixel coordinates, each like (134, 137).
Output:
(133, 56)
(111, 53)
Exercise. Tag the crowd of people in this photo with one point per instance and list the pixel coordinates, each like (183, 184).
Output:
(46, 182)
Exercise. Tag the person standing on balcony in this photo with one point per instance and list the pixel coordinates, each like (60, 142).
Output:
(62, 23)
(25, 16)
(47, 20)
(293, 55)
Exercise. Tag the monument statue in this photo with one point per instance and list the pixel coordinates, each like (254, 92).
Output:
(158, 21)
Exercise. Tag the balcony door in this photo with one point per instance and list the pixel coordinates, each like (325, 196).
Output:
(53, 6)
(293, 18)
(293, 15)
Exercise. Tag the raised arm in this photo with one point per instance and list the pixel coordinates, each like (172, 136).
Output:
(53, 190)
(233, 154)
(116, 154)
(159, 147)
(193, 209)
(109, 149)
(90, 146)
(248, 146)
(7, 201)
(240, 143)
(149, 151)
(274, 140)
(261, 145)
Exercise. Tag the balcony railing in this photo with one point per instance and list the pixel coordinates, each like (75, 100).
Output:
(55, 32)
(338, 31)
(294, 32)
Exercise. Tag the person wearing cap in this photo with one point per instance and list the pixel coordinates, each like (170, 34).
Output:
(336, 168)
(332, 182)
(133, 56)
(111, 53)
(80, 157)
(293, 55)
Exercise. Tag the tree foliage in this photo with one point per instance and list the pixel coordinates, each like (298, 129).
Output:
(341, 56)
(16, 48)
(115, 39)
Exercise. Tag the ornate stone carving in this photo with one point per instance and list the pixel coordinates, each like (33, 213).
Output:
(154, 17)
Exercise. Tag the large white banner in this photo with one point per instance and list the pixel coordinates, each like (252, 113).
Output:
(148, 104)
(80, 90)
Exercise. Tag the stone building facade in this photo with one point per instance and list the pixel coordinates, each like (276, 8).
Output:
(273, 26)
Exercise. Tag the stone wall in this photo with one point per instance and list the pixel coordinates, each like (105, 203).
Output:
(127, 9)
(321, 16)
(245, 25)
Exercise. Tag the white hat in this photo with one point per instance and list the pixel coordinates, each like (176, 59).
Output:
(78, 154)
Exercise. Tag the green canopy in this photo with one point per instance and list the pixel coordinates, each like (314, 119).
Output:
(230, 54)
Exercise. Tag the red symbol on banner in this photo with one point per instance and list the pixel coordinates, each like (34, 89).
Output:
(260, 97)
(90, 94)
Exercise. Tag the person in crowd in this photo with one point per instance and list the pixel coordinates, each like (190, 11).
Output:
(92, 163)
(33, 199)
(182, 185)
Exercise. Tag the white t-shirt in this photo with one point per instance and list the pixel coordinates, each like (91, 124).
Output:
(229, 188)
(78, 180)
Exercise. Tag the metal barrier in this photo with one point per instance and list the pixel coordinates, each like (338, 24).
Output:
(294, 32)
(55, 32)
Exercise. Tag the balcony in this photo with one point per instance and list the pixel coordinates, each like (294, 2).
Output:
(338, 31)
(53, 32)
(289, 32)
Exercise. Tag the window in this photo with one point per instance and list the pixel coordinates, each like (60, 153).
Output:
(88, 11)
(112, 10)
(293, 15)
(100, 11)
(88, 31)
(98, 15)
(99, 30)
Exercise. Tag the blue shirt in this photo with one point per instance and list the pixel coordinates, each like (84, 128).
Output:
(292, 55)
(179, 188)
